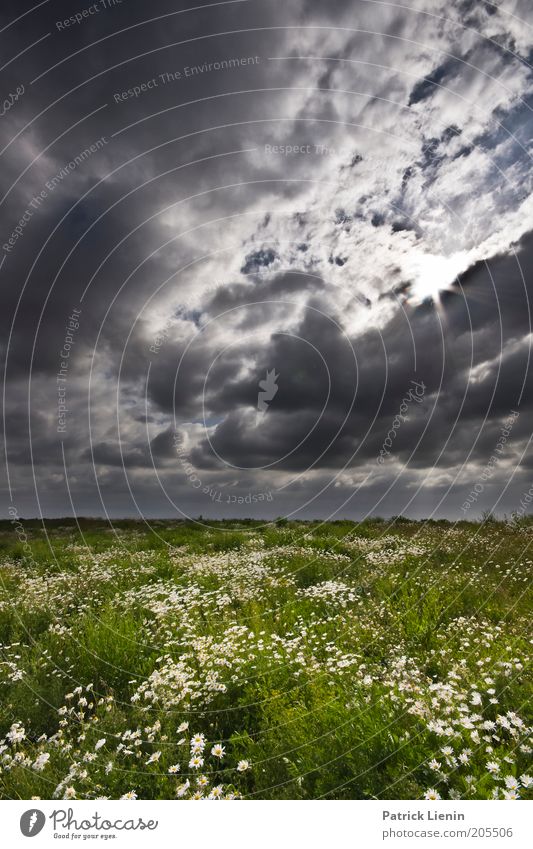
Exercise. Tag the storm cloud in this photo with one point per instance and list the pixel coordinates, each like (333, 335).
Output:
(326, 203)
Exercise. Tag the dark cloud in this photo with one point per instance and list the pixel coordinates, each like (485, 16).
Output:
(217, 213)
(424, 88)
(258, 260)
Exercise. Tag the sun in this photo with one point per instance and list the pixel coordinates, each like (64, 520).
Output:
(432, 274)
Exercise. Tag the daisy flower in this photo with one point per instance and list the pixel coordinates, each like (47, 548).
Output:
(431, 794)
(198, 741)
(218, 751)
(40, 763)
(510, 794)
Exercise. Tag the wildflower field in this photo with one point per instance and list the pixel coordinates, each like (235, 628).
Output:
(286, 660)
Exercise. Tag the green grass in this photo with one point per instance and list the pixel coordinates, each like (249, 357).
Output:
(338, 660)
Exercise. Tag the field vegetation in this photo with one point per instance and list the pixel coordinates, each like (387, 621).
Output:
(288, 660)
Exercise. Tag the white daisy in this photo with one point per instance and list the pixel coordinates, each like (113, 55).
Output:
(218, 751)
(431, 794)
(510, 794)
(182, 789)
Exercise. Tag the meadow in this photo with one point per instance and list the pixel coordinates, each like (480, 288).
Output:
(288, 660)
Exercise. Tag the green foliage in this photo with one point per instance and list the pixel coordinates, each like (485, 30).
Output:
(333, 660)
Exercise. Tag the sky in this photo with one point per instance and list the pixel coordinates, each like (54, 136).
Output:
(266, 259)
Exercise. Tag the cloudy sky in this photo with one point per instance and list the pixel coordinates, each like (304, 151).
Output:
(266, 258)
